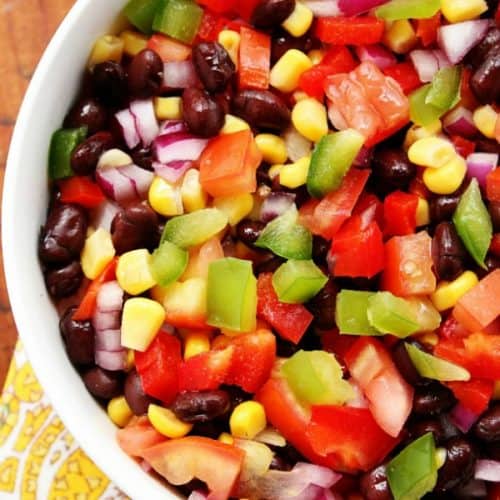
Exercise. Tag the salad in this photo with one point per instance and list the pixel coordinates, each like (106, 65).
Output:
(274, 242)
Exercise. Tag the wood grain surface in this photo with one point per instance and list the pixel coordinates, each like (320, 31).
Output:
(25, 29)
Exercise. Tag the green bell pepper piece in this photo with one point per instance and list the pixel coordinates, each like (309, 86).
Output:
(315, 377)
(413, 472)
(331, 159)
(298, 281)
(195, 228)
(422, 113)
(408, 9)
(430, 366)
(168, 262)
(62, 144)
(351, 313)
(286, 238)
(473, 223)
(390, 314)
(445, 88)
(232, 295)
(141, 14)
(179, 19)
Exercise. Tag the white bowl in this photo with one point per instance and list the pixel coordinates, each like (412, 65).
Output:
(25, 198)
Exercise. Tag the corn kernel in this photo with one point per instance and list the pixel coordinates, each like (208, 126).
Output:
(192, 194)
(440, 457)
(485, 119)
(106, 48)
(188, 298)
(196, 343)
(168, 108)
(236, 207)
(133, 42)
(295, 175)
(230, 40)
(423, 215)
(433, 152)
(299, 95)
(447, 294)
(233, 124)
(226, 438)
(274, 171)
(272, 148)
(119, 411)
(430, 338)
(133, 273)
(165, 198)
(447, 179)
(166, 423)
(97, 253)
(299, 21)
(400, 36)
(316, 55)
(496, 391)
(247, 420)
(310, 119)
(462, 10)
(286, 72)
(114, 158)
(415, 132)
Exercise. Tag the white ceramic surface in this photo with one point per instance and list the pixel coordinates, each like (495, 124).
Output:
(25, 197)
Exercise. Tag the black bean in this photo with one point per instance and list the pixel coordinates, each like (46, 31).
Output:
(85, 156)
(442, 208)
(487, 428)
(374, 485)
(432, 399)
(269, 266)
(65, 281)
(494, 210)
(285, 348)
(360, 283)
(484, 145)
(485, 81)
(103, 384)
(320, 249)
(492, 450)
(283, 42)
(261, 108)
(143, 157)
(271, 13)
(459, 465)
(248, 231)
(145, 74)
(134, 393)
(63, 235)
(392, 168)
(236, 394)
(479, 53)
(87, 113)
(213, 65)
(279, 463)
(421, 427)
(404, 364)
(492, 263)
(448, 252)
(204, 115)
(109, 81)
(212, 429)
(203, 406)
(78, 338)
(322, 306)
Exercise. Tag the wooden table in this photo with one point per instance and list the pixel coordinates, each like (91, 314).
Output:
(25, 29)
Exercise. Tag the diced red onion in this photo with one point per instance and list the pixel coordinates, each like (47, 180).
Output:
(140, 178)
(115, 185)
(145, 466)
(197, 495)
(173, 171)
(172, 127)
(463, 418)
(460, 122)
(359, 400)
(126, 120)
(180, 75)
(106, 320)
(103, 215)
(297, 146)
(443, 61)
(108, 340)
(179, 146)
(324, 8)
(428, 62)
(320, 476)
(112, 361)
(488, 470)
(479, 165)
(276, 204)
(355, 7)
(377, 54)
(458, 39)
(110, 297)
(145, 120)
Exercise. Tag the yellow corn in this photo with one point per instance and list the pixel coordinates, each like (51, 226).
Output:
(188, 297)
(196, 343)
(447, 179)
(496, 391)
(295, 175)
(114, 158)
(133, 42)
(165, 198)
(400, 36)
(192, 194)
(447, 294)
(141, 321)
(299, 95)
(236, 207)
(272, 148)
(158, 293)
(485, 119)
(130, 361)
(462, 10)
(247, 420)
(440, 457)
(316, 55)
(274, 171)
(299, 21)
(168, 108)
(233, 124)
(166, 423)
(230, 40)
(119, 411)
(133, 273)
(310, 119)
(423, 216)
(430, 338)
(432, 152)
(97, 253)
(106, 48)
(226, 438)
(415, 132)
(286, 72)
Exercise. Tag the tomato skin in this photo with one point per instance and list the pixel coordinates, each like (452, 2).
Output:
(474, 395)
(138, 436)
(255, 59)
(405, 74)
(82, 191)
(400, 213)
(168, 48)
(349, 30)
(219, 6)
(493, 185)
(463, 146)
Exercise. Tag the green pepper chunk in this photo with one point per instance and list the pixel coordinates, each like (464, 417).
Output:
(298, 281)
(232, 295)
(331, 159)
(408, 9)
(168, 262)
(413, 472)
(422, 113)
(141, 14)
(445, 88)
(286, 238)
(315, 377)
(179, 19)
(351, 313)
(473, 223)
(62, 144)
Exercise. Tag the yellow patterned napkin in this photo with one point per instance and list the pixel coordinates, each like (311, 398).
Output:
(39, 459)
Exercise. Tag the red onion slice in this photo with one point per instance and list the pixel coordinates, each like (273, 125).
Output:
(355, 7)
(141, 179)
(463, 418)
(108, 340)
(276, 204)
(460, 122)
(110, 297)
(180, 75)
(324, 8)
(126, 120)
(112, 361)
(106, 320)
(488, 470)
(173, 171)
(179, 146)
(103, 215)
(479, 165)
(458, 39)
(320, 476)
(377, 54)
(425, 63)
(145, 120)
(116, 186)
(172, 127)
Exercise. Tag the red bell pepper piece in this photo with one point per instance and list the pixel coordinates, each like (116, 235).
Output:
(493, 185)
(363, 30)
(495, 245)
(427, 29)
(370, 209)
(494, 489)
(219, 6)
(158, 367)
(467, 97)
(400, 214)
(255, 59)
(474, 395)
(450, 328)
(463, 146)
(332, 341)
(168, 48)
(81, 191)
(138, 436)
(210, 27)
(290, 320)
(245, 9)
(405, 74)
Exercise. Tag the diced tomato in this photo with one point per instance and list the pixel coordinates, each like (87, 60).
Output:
(363, 30)
(493, 185)
(81, 191)
(463, 146)
(408, 265)
(255, 59)
(405, 74)
(495, 245)
(158, 367)
(467, 97)
(400, 213)
(332, 341)
(210, 27)
(339, 59)
(229, 163)
(201, 257)
(370, 209)
(138, 436)
(168, 48)
(245, 9)
(219, 6)
(427, 29)
(474, 395)
(451, 328)
(290, 320)
(215, 463)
